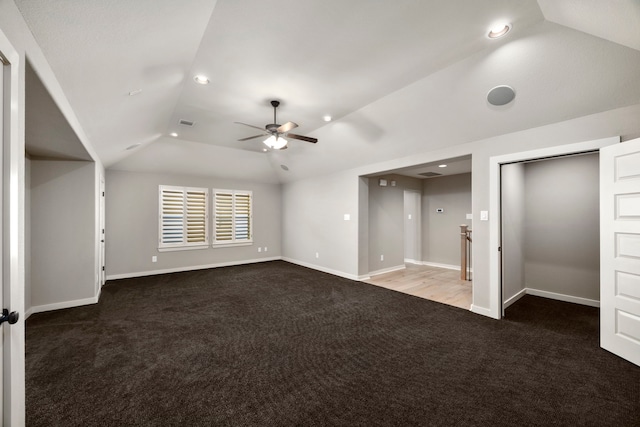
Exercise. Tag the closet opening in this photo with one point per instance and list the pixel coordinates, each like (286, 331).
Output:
(549, 229)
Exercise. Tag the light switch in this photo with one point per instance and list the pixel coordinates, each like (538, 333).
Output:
(347, 217)
(484, 215)
(409, 216)
(469, 216)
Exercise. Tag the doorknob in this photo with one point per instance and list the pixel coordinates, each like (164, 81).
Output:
(9, 317)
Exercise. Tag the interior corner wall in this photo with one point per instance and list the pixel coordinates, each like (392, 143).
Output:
(131, 225)
(386, 221)
(441, 231)
(62, 227)
(562, 240)
(513, 225)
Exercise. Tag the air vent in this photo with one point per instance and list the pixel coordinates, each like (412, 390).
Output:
(430, 174)
(186, 122)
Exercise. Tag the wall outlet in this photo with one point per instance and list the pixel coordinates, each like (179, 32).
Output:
(154, 259)
(381, 257)
(317, 255)
(347, 217)
(265, 249)
(259, 249)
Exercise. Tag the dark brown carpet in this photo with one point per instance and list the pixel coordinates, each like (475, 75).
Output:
(274, 344)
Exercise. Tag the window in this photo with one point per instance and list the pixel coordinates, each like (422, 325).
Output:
(232, 222)
(184, 218)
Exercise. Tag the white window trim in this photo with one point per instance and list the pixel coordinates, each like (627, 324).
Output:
(183, 245)
(233, 242)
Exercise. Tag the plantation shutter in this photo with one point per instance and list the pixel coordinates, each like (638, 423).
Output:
(172, 216)
(183, 217)
(224, 217)
(196, 216)
(242, 216)
(232, 216)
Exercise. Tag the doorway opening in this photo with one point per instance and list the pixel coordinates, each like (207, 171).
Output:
(550, 229)
(496, 299)
(414, 218)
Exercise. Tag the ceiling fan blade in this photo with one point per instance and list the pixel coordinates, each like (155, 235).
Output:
(302, 138)
(286, 127)
(252, 126)
(251, 137)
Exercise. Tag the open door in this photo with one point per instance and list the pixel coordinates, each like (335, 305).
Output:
(12, 393)
(620, 249)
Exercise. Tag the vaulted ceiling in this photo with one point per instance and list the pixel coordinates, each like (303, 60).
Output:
(397, 77)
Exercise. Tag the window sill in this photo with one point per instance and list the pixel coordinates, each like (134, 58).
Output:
(182, 248)
(230, 245)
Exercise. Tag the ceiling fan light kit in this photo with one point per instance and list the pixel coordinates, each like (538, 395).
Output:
(276, 132)
(275, 142)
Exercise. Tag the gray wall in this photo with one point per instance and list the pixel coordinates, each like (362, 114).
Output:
(132, 223)
(63, 231)
(326, 198)
(441, 231)
(386, 221)
(562, 226)
(313, 222)
(513, 225)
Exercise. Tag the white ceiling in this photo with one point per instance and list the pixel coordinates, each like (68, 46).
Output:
(363, 62)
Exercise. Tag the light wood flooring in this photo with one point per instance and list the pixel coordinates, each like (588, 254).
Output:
(432, 283)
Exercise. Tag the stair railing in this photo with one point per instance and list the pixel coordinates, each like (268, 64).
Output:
(465, 252)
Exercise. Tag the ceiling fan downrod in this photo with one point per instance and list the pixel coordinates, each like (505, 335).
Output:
(275, 105)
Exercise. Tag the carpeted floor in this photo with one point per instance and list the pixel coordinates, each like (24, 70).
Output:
(274, 344)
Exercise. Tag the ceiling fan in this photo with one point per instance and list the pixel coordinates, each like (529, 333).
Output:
(275, 132)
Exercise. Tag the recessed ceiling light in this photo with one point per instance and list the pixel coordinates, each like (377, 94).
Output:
(173, 134)
(135, 92)
(499, 31)
(327, 118)
(203, 80)
(442, 166)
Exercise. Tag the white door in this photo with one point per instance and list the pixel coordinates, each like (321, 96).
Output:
(102, 273)
(2, 290)
(412, 219)
(12, 393)
(620, 249)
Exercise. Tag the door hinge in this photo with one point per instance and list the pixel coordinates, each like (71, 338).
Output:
(103, 268)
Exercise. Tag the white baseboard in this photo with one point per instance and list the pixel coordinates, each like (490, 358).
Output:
(323, 269)
(61, 305)
(447, 266)
(190, 268)
(28, 312)
(412, 261)
(387, 270)
(563, 297)
(551, 295)
(515, 298)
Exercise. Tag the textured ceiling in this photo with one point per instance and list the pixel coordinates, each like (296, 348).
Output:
(397, 77)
